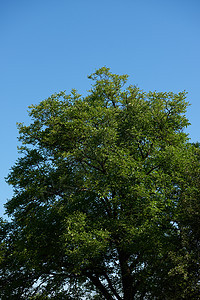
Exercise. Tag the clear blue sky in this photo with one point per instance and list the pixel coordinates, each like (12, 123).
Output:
(48, 46)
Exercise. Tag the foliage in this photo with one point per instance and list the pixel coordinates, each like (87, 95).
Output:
(105, 198)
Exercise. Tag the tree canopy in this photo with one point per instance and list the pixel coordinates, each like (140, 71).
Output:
(105, 202)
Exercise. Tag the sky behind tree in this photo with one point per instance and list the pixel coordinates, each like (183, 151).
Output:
(48, 46)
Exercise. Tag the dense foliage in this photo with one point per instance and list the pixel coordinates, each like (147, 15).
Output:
(105, 202)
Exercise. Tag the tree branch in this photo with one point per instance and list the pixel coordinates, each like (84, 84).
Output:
(111, 287)
(96, 281)
(152, 169)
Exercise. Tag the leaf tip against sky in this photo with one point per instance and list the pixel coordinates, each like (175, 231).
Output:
(49, 46)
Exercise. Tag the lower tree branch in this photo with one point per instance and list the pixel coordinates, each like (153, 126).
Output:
(111, 287)
(96, 281)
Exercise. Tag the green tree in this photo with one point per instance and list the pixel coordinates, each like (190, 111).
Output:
(99, 209)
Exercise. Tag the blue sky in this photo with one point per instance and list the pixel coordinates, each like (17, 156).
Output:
(48, 46)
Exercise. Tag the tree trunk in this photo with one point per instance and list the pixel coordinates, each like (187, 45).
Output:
(127, 280)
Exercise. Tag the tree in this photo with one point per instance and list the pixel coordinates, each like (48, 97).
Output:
(100, 198)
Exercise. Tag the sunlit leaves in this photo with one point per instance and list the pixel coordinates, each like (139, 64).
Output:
(101, 196)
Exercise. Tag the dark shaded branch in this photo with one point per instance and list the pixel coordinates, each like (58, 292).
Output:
(102, 169)
(136, 261)
(111, 287)
(152, 169)
(96, 281)
(148, 152)
(107, 206)
(141, 151)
